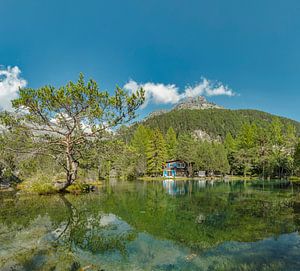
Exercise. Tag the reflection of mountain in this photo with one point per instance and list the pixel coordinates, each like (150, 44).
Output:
(144, 252)
(139, 226)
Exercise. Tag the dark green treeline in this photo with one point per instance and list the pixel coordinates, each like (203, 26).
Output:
(269, 151)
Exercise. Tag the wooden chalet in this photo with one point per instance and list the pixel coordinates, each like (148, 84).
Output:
(176, 168)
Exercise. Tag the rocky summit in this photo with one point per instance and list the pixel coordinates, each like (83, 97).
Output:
(196, 103)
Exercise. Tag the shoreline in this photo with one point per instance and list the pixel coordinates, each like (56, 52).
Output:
(292, 179)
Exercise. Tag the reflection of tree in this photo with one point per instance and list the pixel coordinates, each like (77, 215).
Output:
(41, 240)
(65, 231)
(88, 232)
(227, 211)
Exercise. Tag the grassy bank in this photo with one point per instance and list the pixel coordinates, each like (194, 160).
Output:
(161, 178)
(216, 178)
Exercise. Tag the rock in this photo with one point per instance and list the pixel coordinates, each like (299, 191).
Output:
(198, 102)
(202, 135)
(200, 218)
(157, 113)
(59, 185)
(5, 186)
(191, 257)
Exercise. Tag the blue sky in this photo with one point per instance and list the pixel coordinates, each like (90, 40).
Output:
(251, 48)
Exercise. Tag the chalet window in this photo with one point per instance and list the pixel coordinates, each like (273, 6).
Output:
(180, 165)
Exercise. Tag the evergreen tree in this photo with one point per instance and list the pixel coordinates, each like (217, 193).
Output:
(171, 143)
(276, 132)
(186, 148)
(221, 164)
(141, 139)
(156, 153)
(204, 157)
(61, 121)
(297, 159)
(246, 136)
(282, 150)
(230, 145)
(141, 143)
(245, 155)
(262, 159)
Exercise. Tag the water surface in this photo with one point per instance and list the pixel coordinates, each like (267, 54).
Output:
(170, 225)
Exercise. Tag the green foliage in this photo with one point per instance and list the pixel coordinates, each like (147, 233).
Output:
(66, 130)
(185, 148)
(141, 139)
(268, 152)
(171, 143)
(156, 153)
(221, 164)
(78, 187)
(233, 226)
(59, 122)
(297, 159)
(39, 184)
(140, 143)
(216, 122)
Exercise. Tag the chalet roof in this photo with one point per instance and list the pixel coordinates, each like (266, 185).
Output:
(175, 160)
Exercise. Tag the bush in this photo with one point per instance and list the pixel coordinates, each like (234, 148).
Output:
(78, 188)
(40, 184)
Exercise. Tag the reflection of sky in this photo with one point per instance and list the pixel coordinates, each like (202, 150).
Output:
(146, 252)
(122, 231)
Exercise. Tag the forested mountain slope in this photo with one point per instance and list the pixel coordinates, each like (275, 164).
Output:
(215, 122)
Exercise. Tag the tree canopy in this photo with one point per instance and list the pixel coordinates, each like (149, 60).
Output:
(60, 121)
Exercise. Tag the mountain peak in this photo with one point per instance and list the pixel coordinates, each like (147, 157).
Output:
(198, 102)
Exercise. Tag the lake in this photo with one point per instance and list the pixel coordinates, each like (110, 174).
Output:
(169, 225)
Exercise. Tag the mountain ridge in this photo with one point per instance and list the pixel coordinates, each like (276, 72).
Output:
(209, 120)
(197, 103)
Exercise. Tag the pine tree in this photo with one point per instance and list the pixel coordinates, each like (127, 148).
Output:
(140, 142)
(280, 158)
(186, 149)
(246, 136)
(204, 157)
(245, 155)
(230, 145)
(156, 153)
(262, 155)
(276, 132)
(171, 143)
(297, 159)
(221, 164)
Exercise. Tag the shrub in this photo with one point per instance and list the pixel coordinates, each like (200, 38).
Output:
(40, 184)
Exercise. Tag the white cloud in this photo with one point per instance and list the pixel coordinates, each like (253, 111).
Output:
(198, 89)
(158, 93)
(170, 94)
(10, 82)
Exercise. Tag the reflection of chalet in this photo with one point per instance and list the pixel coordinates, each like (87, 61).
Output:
(175, 168)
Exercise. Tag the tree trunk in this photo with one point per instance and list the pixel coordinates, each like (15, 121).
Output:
(71, 167)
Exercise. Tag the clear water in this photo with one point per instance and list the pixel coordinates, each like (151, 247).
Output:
(191, 225)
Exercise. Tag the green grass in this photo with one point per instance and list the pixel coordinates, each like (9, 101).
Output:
(161, 178)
